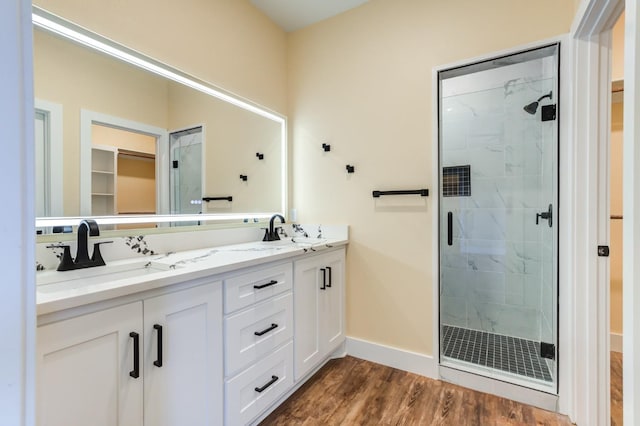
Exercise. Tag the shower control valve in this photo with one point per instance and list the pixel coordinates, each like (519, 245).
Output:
(548, 215)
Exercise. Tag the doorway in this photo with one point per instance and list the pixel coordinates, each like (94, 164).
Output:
(498, 170)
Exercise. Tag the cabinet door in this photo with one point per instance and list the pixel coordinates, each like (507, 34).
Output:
(186, 387)
(306, 301)
(332, 308)
(83, 367)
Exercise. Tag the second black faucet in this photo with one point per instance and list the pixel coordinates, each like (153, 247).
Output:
(271, 234)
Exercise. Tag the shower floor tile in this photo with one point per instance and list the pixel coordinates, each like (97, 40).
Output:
(512, 354)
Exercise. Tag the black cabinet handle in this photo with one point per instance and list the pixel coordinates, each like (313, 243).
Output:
(270, 283)
(158, 361)
(329, 270)
(266, 330)
(135, 373)
(450, 228)
(324, 279)
(266, 385)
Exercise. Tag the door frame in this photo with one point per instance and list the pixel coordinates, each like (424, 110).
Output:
(87, 119)
(54, 113)
(18, 301)
(565, 319)
(591, 34)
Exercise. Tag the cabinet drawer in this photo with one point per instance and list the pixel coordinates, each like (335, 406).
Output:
(246, 289)
(273, 376)
(254, 333)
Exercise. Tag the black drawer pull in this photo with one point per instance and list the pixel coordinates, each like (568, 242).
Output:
(329, 270)
(158, 361)
(270, 283)
(266, 330)
(135, 373)
(324, 279)
(450, 228)
(263, 388)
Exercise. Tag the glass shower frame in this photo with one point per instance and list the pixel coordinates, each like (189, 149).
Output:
(477, 259)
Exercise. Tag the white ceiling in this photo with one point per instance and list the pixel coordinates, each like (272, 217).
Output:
(292, 15)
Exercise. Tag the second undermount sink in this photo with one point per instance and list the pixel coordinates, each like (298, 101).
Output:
(53, 281)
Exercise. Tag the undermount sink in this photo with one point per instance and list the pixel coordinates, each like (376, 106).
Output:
(53, 281)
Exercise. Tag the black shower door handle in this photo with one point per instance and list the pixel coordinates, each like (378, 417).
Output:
(450, 228)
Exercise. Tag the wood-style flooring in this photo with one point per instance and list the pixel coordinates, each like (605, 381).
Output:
(616, 389)
(351, 391)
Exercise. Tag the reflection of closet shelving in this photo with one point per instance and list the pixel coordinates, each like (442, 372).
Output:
(103, 180)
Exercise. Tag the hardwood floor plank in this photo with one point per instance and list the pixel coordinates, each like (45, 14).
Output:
(351, 391)
(616, 389)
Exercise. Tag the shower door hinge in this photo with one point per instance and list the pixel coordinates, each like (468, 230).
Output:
(548, 350)
(548, 113)
(603, 251)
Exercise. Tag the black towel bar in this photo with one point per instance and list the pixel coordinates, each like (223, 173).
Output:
(207, 199)
(420, 192)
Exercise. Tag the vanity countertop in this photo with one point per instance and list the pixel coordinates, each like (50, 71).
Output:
(57, 291)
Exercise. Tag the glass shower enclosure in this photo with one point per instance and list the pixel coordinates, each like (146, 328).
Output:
(498, 158)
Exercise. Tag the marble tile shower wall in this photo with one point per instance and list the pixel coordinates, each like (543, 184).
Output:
(492, 275)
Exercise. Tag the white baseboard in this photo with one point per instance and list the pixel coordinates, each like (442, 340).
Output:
(401, 359)
(615, 342)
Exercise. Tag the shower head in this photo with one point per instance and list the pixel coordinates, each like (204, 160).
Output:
(533, 106)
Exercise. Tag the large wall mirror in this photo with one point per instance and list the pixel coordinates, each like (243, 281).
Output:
(137, 143)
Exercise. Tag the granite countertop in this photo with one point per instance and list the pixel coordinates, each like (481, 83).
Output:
(57, 291)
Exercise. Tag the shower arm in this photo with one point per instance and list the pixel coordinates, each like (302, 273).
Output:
(548, 95)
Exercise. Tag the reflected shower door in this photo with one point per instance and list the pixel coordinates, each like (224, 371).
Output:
(498, 154)
(186, 172)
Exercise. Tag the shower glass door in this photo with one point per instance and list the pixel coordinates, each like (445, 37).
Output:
(498, 154)
(185, 179)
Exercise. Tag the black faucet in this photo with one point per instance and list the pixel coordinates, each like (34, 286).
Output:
(271, 234)
(86, 228)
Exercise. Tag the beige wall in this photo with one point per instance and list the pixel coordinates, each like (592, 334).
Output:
(362, 81)
(136, 185)
(123, 139)
(226, 42)
(617, 56)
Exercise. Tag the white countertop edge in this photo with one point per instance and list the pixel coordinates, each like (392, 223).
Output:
(47, 303)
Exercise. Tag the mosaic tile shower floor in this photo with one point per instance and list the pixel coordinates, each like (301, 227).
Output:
(511, 354)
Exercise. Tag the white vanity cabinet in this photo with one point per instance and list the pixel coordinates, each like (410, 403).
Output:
(319, 308)
(214, 349)
(258, 341)
(88, 372)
